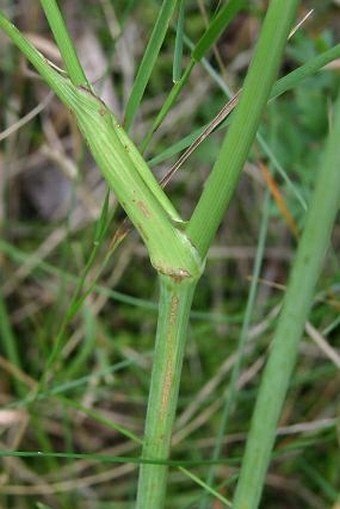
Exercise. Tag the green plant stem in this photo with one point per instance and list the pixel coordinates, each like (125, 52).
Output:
(174, 308)
(222, 181)
(296, 305)
(125, 170)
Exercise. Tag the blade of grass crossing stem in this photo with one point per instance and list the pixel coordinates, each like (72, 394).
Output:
(281, 86)
(263, 144)
(297, 301)
(288, 82)
(222, 181)
(64, 43)
(178, 52)
(148, 61)
(218, 24)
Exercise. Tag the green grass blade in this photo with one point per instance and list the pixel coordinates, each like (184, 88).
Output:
(296, 305)
(149, 59)
(207, 488)
(295, 77)
(99, 417)
(9, 344)
(64, 43)
(218, 24)
(213, 31)
(288, 82)
(168, 103)
(222, 181)
(231, 390)
(178, 52)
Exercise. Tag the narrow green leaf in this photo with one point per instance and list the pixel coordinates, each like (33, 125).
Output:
(231, 392)
(170, 100)
(64, 42)
(218, 24)
(99, 417)
(295, 77)
(178, 53)
(305, 272)
(9, 343)
(149, 59)
(283, 85)
(102, 222)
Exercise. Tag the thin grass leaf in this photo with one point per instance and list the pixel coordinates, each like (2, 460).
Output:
(178, 52)
(207, 488)
(279, 200)
(99, 417)
(148, 61)
(76, 363)
(219, 23)
(305, 271)
(294, 78)
(216, 27)
(168, 103)
(103, 221)
(20, 257)
(231, 390)
(319, 479)
(9, 343)
(288, 82)
(64, 43)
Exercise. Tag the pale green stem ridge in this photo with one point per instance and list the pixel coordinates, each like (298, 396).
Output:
(296, 305)
(222, 181)
(174, 308)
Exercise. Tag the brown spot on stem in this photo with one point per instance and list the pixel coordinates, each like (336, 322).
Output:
(169, 368)
(144, 209)
(176, 274)
(173, 308)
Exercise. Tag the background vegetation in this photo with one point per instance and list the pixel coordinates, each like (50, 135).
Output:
(56, 233)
